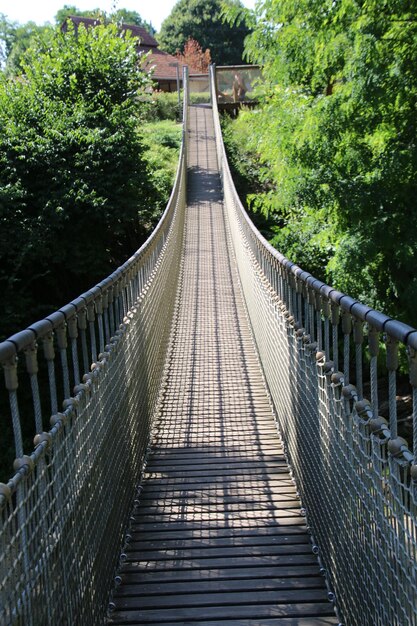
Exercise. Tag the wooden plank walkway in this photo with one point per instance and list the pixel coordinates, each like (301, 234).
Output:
(218, 537)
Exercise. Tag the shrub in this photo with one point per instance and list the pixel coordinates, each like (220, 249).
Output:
(75, 199)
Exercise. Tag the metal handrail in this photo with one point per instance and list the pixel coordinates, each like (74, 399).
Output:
(383, 323)
(94, 302)
(65, 509)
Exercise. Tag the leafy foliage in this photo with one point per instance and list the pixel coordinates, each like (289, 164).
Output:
(194, 57)
(75, 196)
(247, 175)
(202, 20)
(70, 9)
(131, 17)
(336, 139)
(163, 105)
(16, 39)
(162, 140)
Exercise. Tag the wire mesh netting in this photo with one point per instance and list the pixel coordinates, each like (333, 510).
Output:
(199, 89)
(356, 470)
(64, 512)
(237, 83)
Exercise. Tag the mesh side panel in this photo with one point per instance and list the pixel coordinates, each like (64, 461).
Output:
(64, 512)
(237, 84)
(355, 475)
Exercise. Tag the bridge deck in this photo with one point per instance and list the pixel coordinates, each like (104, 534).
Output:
(218, 537)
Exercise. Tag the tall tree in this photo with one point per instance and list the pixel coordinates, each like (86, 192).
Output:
(202, 20)
(337, 140)
(7, 30)
(75, 199)
(16, 39)
(70, 9)
(131, 17)
(126, 16)
(194, 57)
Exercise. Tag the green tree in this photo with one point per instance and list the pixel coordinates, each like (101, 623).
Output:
(75, 200)
(336, 137)
(202, 20)
(70, 9)
(132, 17)
(16, 39)
(7, 29)
(126, 16)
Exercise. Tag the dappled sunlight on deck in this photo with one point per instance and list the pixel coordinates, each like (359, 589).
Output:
(218, 532)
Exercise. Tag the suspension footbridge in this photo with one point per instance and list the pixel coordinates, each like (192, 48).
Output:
(161, 491)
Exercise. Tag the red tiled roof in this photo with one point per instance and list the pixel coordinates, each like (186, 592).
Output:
(145, 38)
(77, 20)
(164, 64)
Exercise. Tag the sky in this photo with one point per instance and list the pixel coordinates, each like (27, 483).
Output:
(41, 11)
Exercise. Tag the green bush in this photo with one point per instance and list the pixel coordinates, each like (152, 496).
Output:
(75, 197)
(335, 141)
(163, 105)
(162, 140)
(199, 97)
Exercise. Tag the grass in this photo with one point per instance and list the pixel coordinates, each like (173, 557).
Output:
(162, 140)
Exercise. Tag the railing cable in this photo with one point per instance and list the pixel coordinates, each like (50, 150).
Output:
(64, 510)
(357, 477)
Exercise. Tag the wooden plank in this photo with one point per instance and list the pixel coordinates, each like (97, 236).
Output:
(207, 490)
(200, 419)
(206, 586)
(220, 452)
(138, 543)
(246, 611)
(214, 469)
(219, 505)
(262, 470)
(226, 533)
(210, 517)
(221, 435)
(279, 621)
(269, 484)
(226, 496)
(166, 554)
(132, 575)
(178, 438)
(253, 521)
(199, 562)
(226, 422)
(220, 598)
(246, 481)
(281, 483)
(273, 447)
(220, 455)
(181, 439)
(207, 461)
(212, 416)
(205, 422)
(195, 438)
(217, 407)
